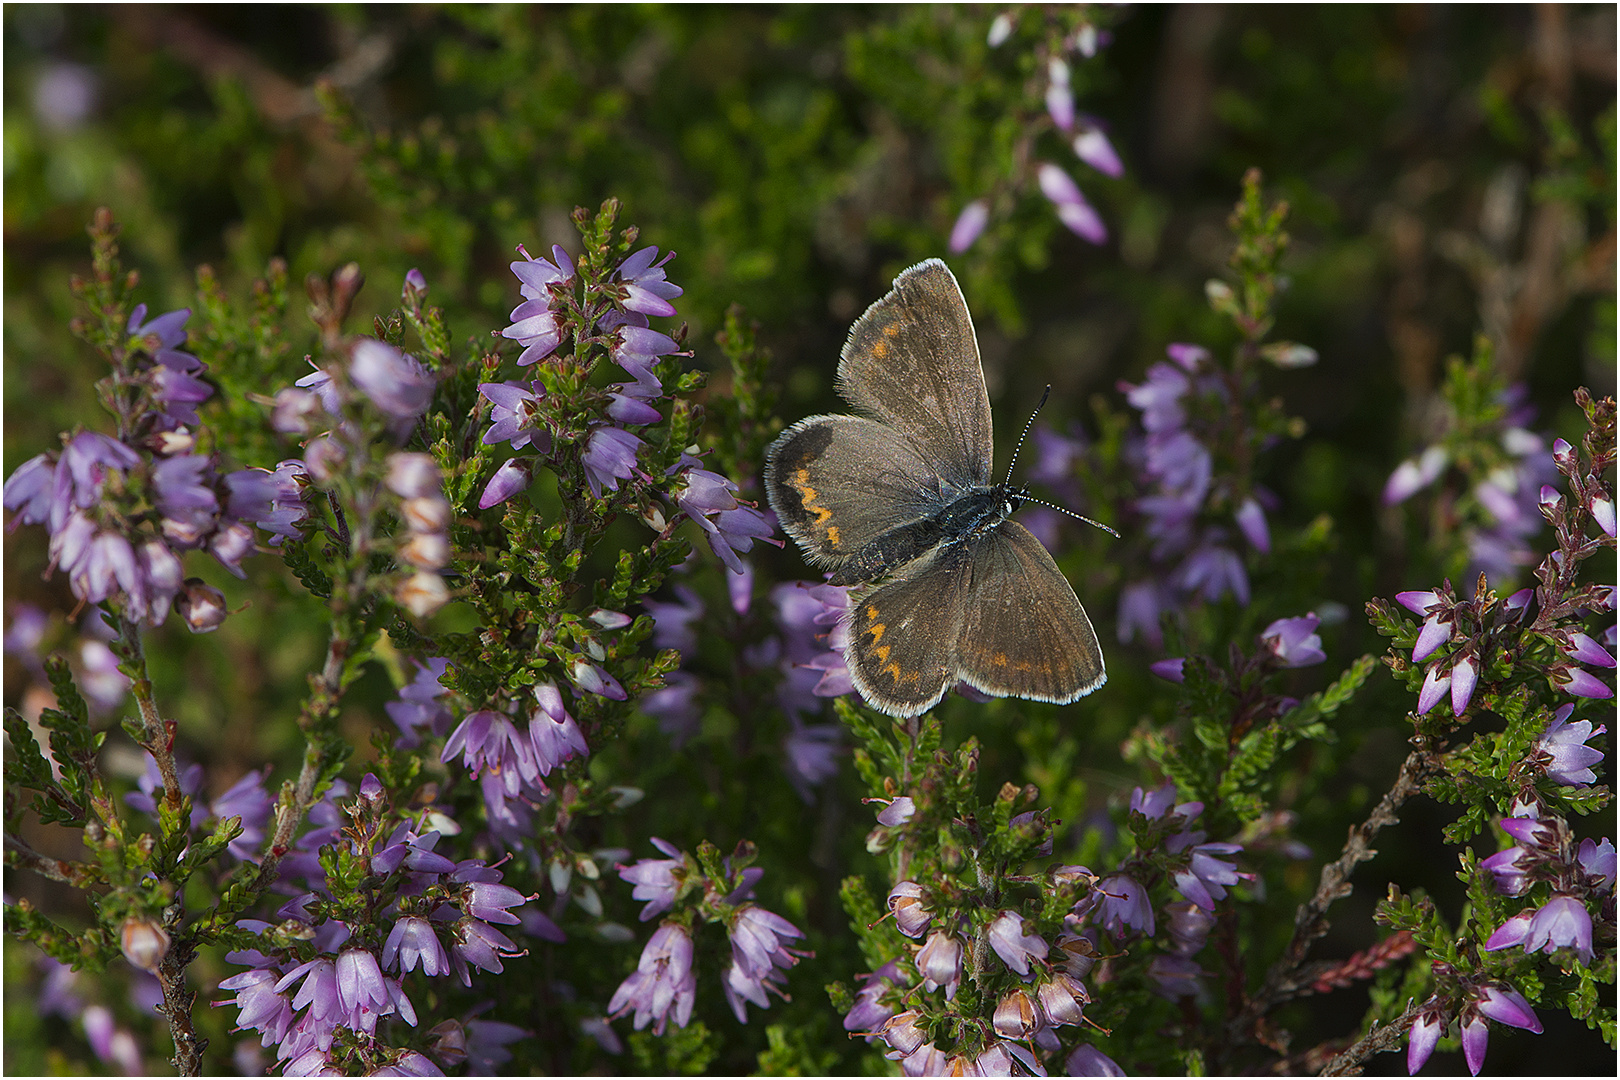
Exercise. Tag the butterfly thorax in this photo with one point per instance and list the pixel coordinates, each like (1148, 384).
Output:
(963, 519)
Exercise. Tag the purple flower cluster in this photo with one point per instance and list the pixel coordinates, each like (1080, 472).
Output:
(1574, 875)
(1084, 133)
(509, 763)
(110, 1041)
(121, 514)
(246, 800)
(664, 985)
(441, 913)
(1507, 500)
(1191, 546)
(1482, 1002)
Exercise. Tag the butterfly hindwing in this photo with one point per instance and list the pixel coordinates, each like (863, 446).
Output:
(838, 482)
(1024, 633)
(903, 635)
(912, 362)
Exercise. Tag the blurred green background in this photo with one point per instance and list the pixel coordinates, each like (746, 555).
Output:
(1450, 172)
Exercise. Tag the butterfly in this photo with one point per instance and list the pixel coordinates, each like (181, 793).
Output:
(897, 502)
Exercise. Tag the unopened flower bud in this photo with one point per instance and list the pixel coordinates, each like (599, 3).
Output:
(423, 593)
(412, 476)
(144, 942)
(295, 411)
(426, 514)
(201, 606)
(1015, 1016)
(426, 551)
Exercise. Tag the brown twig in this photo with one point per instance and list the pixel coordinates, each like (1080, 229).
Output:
(79, 875)
(1289, 976)
(1380, 1040)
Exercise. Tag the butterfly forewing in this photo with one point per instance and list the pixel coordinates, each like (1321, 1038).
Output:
(912, 362)
(902, 635)
(838, 482)
(1024, 633)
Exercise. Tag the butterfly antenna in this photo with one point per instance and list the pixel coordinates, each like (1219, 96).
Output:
(1041, 502)
(1071, 513)
(1027, 425)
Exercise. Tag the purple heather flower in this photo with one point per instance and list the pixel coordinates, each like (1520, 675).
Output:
(705, 493)
(489, 742)
(757, 938)
(1561, 921)
(1503, 1005)
(940, 963)
(480, 945)
(636, 348)
(672, 621)
(536, 327)
(260, 1006)
(1437, 630)
(512, 477)
(645, 287)
(395, 382)
(1161, 802)
(1059, 95)
(1212, 570)
(1124, 905)
(1603, 514)
(1092, 147)
(1159, 398)
(1062, 999)
(169, 331)
(595, 679)
(736, 530)
(1415, 474)
(1424, 1035)
(231, 545)
(1597, 863)
(1252, 520)
(657, 881)
(663, 986)
(1016, 1015)
(515, 415)
(1206, 878)
(488, 900)
(1435, 685)
(1578, 682)
(177, 394)
(1175, 977)
(1464, 677)
(741, 988)
(29, 491)
(1583, 648)
(1567, 758)
(1087, 1060)
(1001, 28)
(1139, 606)
(535, 275)
(610, 456)
(969, 224)
(360, 985)
(628, 410)
(911, 918)
(416, 707)
(902, 1034)
(812, 753)
(1007, 938)
(869, 1013)
(674, 706)
(1072, 208)
(555, 736)
(1294, 642)
(897, 811)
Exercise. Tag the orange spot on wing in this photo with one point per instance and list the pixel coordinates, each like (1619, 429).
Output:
(832, 535)
(879, 349)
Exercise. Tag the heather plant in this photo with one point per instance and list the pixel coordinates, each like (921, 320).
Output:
(410, 677)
